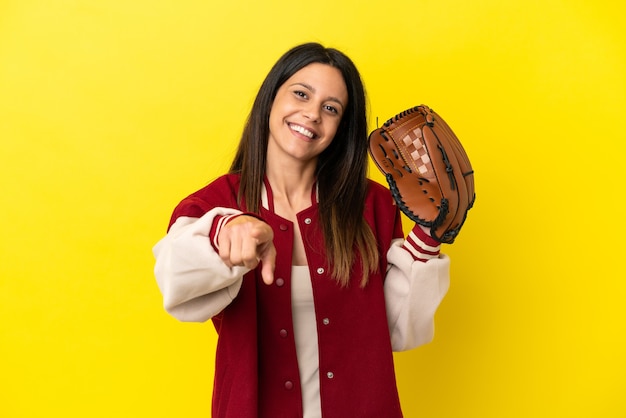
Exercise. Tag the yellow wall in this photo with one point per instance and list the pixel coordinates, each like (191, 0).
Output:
(112, 111)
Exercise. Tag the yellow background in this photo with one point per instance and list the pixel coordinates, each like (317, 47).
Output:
(112, 111)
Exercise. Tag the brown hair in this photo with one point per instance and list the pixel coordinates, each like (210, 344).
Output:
(342, 167)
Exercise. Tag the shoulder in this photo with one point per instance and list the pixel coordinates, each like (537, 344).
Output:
(378, 193)
(379, 200)
(221, 192)
(220, 189)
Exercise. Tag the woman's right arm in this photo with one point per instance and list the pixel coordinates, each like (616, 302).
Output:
(195, 282)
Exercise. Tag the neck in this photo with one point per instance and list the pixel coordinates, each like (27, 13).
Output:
(291, 186)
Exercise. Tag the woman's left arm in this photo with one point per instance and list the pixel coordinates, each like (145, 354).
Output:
(417, 279)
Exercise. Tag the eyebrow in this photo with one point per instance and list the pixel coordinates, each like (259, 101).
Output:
(312, 89)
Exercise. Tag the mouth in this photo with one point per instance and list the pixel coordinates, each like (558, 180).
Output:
(302, 131)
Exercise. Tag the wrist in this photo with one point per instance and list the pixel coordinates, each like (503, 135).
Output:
(221, 221)
(218, 223)
(421, 245)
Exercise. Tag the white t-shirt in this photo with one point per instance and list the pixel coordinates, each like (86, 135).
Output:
(305, 333)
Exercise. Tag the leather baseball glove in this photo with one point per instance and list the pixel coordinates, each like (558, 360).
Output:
(428, 171)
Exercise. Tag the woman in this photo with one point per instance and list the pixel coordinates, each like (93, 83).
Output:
(299, 259)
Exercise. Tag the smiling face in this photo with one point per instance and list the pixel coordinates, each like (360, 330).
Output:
(306, 113)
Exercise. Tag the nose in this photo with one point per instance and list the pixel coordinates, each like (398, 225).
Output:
(312, 112)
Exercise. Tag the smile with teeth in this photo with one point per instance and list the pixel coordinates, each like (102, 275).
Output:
(302, 130)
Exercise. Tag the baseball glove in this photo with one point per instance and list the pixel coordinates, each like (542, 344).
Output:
(428, 171)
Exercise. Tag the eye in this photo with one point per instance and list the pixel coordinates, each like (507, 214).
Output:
(300, 94)
(330, 108)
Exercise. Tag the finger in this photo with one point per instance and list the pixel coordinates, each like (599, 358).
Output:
(268, 264)
(249, 255)
(263, 233)
(231, 246)
(224, 244)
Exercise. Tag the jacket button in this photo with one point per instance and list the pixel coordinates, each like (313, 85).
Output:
(283, 227)
(307, 221)
(280, 282)
(283, 333)
(320, 270)
(330, 375)
(325, 321)
(288, 385)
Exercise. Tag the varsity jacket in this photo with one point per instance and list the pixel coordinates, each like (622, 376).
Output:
(256, 369)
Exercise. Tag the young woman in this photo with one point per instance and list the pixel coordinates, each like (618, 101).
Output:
(300, 260)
